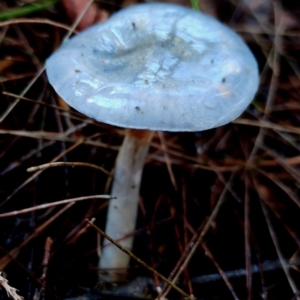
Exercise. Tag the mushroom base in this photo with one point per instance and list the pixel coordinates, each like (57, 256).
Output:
(122, 211)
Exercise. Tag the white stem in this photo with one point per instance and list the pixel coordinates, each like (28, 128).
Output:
(122, 212)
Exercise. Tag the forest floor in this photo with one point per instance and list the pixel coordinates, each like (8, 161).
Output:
(233, 190)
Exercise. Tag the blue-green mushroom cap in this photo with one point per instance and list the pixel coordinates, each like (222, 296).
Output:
(156, 66)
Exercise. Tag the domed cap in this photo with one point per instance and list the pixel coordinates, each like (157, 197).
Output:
(156, 66)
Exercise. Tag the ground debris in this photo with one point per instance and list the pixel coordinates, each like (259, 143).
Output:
(140, 288)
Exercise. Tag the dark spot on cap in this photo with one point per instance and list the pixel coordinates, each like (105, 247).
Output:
(133, 25)
(137, 108)
(77, 71)
(224, 79)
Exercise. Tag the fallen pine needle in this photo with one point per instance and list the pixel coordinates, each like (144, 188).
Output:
(67, 164)
(37, 207)
(141, 262)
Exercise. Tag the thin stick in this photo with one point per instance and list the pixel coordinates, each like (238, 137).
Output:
(167, 159)
(140, 261)
(42, 69)
(62, 109)
(267, 125)
(221, 272)
(55, 137)
(13, 253)
(12, 292)
(79, 142)
(35, 21)
(67, 164)
(26, 89)
(38, 207)
(202, 233)
(247, 238)
(40, 294)
(282, 260)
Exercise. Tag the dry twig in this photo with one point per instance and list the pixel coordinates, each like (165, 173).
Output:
(11, 292)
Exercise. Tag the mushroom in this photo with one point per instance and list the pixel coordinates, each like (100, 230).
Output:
(150, 67)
